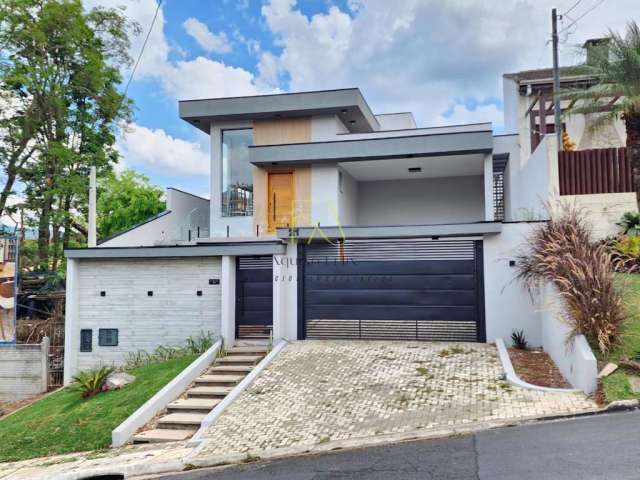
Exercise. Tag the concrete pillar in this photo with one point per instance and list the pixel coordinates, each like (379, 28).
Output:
(228, 304)
(71, 321)
(44, 346)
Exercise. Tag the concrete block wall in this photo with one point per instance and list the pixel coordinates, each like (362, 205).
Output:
(23, 370)
(169, 316)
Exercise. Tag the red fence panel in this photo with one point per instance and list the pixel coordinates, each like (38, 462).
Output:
(600, 170)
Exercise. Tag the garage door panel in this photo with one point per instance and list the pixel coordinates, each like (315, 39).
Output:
(420, 289)
(262, 289)
(391, 282)
(448, 267)
(390, 297)
(258, 303)
(257, 317)
(391, 312)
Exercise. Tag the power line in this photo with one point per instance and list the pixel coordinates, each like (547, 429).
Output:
(144, 44)
(572, 7)
(596, 5)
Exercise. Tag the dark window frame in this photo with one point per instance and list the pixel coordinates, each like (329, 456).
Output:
(244, 197)
(86, 340)
(103, 337)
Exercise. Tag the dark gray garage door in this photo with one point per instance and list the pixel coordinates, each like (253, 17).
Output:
(254, 297)
(393, 289)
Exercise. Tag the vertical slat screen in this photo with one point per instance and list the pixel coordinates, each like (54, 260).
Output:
(602, 170)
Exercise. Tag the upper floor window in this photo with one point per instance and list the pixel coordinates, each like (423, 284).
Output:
(237, 175)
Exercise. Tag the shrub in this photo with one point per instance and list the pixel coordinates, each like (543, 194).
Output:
(519, 340)
(91, 381)
(194, 345)
(199, 343)
(630, 223)
(562, 252)
(629, 246)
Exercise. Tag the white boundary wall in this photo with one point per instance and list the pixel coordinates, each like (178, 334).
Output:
(508, 306)
(24, 370)
(169, 316)
(576, 361)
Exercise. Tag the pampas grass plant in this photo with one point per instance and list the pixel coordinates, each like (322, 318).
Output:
(563, 252)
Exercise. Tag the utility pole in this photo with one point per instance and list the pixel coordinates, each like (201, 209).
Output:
(557, 113)
(92, 208)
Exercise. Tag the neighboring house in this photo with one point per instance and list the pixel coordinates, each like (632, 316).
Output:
(594, 176)
(325, 221)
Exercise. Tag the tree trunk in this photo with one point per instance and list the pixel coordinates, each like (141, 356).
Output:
(632, 124)
(43, 235)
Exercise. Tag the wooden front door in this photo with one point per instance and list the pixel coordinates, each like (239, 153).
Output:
(281, 198)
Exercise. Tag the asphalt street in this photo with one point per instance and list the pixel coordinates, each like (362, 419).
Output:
(605, 446)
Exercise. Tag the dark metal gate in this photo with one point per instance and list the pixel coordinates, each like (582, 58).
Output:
(420, 289)
(254, 297)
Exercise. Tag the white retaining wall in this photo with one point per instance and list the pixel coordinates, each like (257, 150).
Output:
(24, 370)
(508, 306)
(172, 314)
(603, 210)
(575, 359)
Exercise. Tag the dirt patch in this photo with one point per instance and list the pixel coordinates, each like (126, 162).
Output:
(9, 407)
(537, 368)
(600, 397)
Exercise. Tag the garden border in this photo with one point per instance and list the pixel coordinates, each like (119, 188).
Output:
(512, 376)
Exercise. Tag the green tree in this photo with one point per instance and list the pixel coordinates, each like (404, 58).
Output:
(616, 66)
(124, 200)
(65, 62)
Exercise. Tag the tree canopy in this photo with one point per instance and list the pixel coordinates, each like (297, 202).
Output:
(60, 69)
(125, 200)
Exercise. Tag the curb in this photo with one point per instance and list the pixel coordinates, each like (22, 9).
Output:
(512, 376)
(357, 443)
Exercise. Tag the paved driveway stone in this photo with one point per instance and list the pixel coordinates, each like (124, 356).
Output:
(320, 391)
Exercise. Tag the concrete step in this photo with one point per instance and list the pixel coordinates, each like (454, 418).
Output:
(248, 350)
(193, 405)
(239, 360)
(230, 369)
(208, 392)
(218, 380)
(158, 435)
(181, 420)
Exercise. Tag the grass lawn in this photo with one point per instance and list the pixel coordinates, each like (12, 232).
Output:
(64, 422)
(616, 385)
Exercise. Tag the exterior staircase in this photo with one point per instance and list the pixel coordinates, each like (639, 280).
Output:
(183, 417)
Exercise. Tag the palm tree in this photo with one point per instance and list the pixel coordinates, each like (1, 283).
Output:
(616, 66)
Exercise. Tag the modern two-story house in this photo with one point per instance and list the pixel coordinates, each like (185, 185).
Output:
(325, 221)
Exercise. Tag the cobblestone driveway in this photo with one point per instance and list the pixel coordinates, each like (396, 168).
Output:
(320, 391)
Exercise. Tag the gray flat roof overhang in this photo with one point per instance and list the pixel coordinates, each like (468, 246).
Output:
(393, 231)
(459, 143)
(348, 104)
(270, 247)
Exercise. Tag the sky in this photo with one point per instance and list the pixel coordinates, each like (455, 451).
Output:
(441, 60)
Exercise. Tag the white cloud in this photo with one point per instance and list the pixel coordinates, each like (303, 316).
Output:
(460, 114)
(183, 79)
(420, 55)
(208, 41)
(269, 69)
(141, 146)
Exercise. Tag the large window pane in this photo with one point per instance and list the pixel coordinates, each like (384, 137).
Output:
(237, 177)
